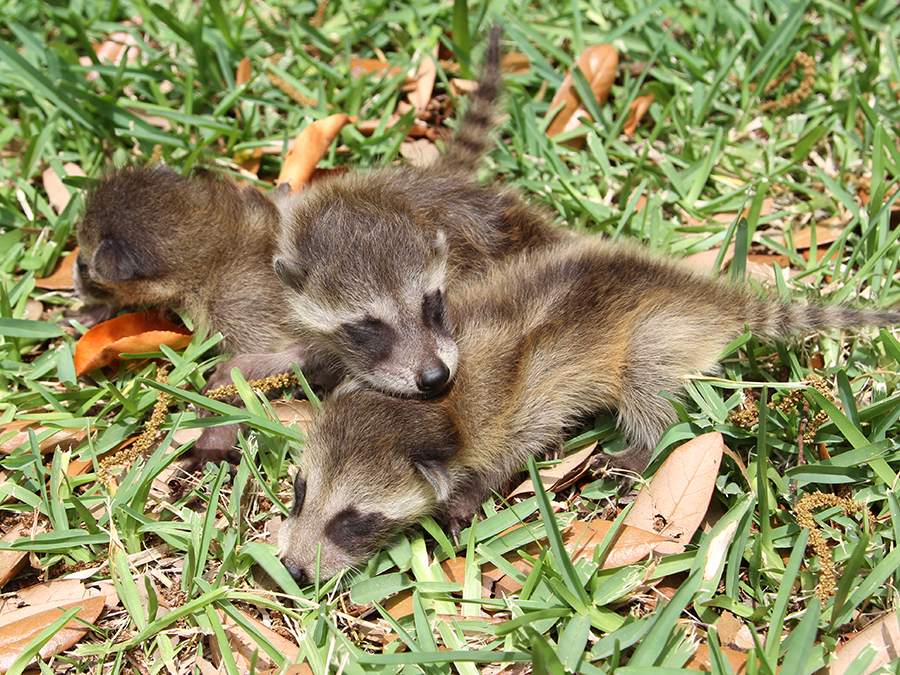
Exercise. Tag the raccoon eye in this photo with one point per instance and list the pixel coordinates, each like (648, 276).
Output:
(288, 274)
(373, 335)
(433, 309)
(299, 495)
(354, 531)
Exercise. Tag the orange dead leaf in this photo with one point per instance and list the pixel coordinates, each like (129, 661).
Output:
(639, 108)
(61, 279)
(599, 65)
(12, 561)
(515, 63)
(361, 67)
(127, 334)
(677, 497)
(308, 148)
(824, 235)
(244, 74)
(701, 660)
(20, 627)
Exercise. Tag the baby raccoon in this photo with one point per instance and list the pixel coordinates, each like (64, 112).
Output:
(202, 245)
(544, 340)
(368, 258)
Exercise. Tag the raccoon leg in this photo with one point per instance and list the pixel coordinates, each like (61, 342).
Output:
(216, 445)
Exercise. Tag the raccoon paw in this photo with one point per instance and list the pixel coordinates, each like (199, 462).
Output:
(634, 459)
(88, 316)
(216, 445)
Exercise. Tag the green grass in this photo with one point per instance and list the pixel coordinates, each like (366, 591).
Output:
(704, 148)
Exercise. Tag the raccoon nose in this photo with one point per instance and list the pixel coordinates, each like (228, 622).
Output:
(297, 572)
(433, 378)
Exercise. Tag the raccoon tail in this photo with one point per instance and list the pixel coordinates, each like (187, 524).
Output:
(473, 136)
(778, 321)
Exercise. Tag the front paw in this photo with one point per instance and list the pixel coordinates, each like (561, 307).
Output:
(216, 445)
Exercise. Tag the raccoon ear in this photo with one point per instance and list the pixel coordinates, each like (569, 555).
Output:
(290, 274)
(119, 262)
(435, 472)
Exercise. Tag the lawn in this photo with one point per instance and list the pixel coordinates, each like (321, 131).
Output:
(767, 149)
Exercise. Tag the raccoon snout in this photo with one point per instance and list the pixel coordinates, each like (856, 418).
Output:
(433, 378)
(297, 572)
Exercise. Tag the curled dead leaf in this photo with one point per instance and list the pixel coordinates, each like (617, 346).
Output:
(308, 148)
(244, 73)
(127, 334)
(61, 279)
(599, 65)
(639, 108)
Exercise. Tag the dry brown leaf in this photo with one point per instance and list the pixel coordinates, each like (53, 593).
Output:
(599, 65)
(249, 160)
(361, 67)
(706, 260)
(57, 193)
(419, 152)
(426, 75)
(701, 660)
(243, 646)
(515, 63)
(559, 476)
(61, 279)
(11, 562)
(308, 148)
(244, 73)
(824, 235)
(294, 412)
(15, 433)
(676, 499)
(462, 87)
(639, 108)
(883, 634)
(20, 627)
(820, 254)
(368, 127)
(34, 310)
(133, 333)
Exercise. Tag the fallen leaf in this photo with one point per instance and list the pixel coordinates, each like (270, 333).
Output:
(883, 634)
(824, 236)
(15, 433)
(61, 279)
(369, 127)
(361, 67)
(127, 334)
(244, 73)
(308, 148)
(419, 152)
(515, 63)
(559, 476)
(244, 647)
(57, 193)
(294, 412)
(705, 260)
(11, 562)
(599, 65)
(426, 74)
(21, 626)
(701, 660)
(676, 499)
(34, 310)
(249, 160)
(820, 254)
(639, 108)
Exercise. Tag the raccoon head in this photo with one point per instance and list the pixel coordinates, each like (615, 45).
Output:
(369, 281)
(124, 236)
(372, 466)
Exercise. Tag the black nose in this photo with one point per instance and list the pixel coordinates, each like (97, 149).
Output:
(433, 378)
(297, 572)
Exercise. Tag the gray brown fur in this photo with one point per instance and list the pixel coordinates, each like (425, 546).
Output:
(546, 339)
(202, 245)
(368, 258)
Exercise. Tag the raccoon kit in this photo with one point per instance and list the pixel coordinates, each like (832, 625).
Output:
(368, 258)
(544, 340)
(202, 245)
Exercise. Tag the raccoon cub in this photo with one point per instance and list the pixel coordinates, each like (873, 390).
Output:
(368, 258)
(544, 339)
(202, 245)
